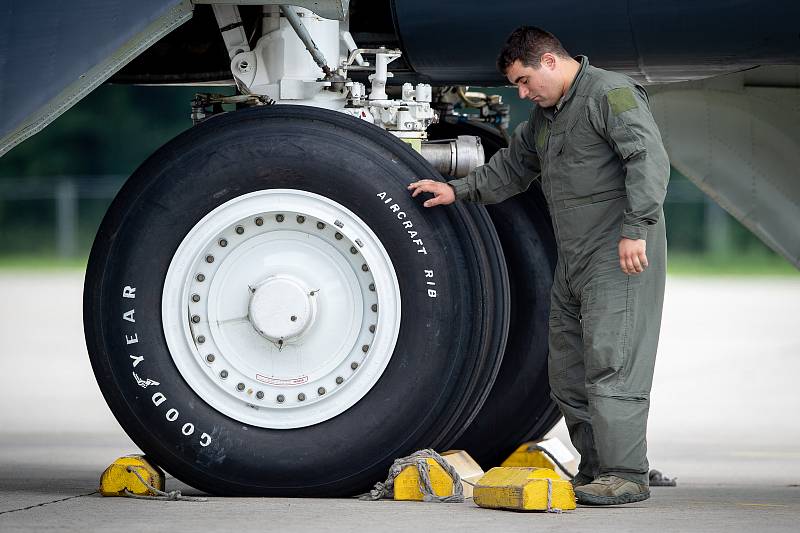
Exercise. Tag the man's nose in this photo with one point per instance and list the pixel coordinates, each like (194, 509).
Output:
(523, 91)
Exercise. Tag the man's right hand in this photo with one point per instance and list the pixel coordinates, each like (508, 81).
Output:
(443, 194)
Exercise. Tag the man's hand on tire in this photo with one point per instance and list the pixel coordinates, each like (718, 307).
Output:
(443, 194)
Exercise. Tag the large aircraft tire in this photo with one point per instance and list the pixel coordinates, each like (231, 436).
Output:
(229, 304)
(519, 407)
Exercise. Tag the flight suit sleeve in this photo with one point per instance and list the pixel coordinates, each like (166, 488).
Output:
(510, 171)
(633, 134)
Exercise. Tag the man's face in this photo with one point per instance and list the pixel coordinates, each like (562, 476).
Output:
(540, 85)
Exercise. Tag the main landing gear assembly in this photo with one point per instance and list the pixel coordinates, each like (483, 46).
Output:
(269, 312)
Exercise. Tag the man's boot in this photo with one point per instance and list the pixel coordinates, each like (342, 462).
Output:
(611, 490)
(580, 480)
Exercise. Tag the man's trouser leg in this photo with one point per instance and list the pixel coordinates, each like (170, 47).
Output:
(567, 374)
(621, 322)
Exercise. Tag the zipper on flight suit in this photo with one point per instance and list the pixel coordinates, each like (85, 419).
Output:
(552, 196)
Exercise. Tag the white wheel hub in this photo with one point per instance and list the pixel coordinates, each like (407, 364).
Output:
(281, 308)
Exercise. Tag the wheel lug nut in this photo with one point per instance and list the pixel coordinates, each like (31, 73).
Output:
(372, 328)
(365, 348)
(301, 397)
(240, 387)
(339, 380)
(300, 219)
(223, 374)
(353, 250)
(321, 391)
(279, 218)
(293, 318)
(209, 259)
(281, 398)
(259, 221)
(260, 395)
(201, 339)
(210, 358)
(338, 236)
(223, 243)
(372, 287)
(354, 365)
(195, 298)
(200, 277)
(320, 225)
(375, 307)
(195, 319)
(239, 230)
(364, 267)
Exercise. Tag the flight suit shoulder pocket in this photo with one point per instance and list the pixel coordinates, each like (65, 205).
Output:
(621, 100)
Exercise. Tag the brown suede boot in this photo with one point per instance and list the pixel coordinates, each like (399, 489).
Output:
(580, 480)
(611, 490)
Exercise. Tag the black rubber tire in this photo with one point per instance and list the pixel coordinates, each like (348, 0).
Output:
(448, 347)
(519, 407)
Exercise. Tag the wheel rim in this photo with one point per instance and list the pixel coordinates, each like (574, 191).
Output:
(281, 308)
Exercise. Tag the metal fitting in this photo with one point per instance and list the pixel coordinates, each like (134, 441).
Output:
(455, 158)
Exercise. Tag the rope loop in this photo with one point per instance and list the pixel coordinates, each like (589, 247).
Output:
(174, 495)
(537, 448)
(418, 459)
(550, 508)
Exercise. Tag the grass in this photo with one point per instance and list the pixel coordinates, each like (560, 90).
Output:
(682, 264)
(679, 264)
(42, 263)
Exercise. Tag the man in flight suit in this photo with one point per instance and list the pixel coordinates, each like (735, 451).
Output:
(594, 145)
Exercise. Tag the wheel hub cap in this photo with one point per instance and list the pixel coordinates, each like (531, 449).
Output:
(281, 309)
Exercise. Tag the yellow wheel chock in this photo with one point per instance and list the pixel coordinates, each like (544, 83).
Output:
(121, 476)
(524, 489)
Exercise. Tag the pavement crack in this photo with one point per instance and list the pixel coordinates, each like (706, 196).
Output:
(48, 503)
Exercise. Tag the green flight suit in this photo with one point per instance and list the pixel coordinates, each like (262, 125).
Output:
(604, 173)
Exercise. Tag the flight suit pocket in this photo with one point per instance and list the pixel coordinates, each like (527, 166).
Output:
(585, 152)
(558, 358)
(626, 141)
(607, 324)
(583, 137)
(555, 146)
(581, 226)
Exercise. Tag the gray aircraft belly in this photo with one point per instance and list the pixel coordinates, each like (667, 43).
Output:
(52, 54)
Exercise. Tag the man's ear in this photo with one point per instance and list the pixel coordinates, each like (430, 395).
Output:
(549, 60)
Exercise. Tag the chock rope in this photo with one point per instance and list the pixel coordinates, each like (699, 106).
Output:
(173, 495)
(550, 508)
(657, 479)
(537, 448)
(418, 459)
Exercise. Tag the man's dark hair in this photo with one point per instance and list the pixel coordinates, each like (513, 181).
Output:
(527, 44)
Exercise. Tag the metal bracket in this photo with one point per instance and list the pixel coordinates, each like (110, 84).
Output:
(230, 25)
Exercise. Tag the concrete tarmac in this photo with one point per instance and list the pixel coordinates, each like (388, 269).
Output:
(724, 420)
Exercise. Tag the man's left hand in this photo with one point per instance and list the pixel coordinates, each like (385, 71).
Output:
(632, 256)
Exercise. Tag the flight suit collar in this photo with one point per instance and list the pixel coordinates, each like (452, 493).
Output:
(584, 61)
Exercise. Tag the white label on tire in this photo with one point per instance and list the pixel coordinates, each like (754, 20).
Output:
(172, 414)
(407, 223)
